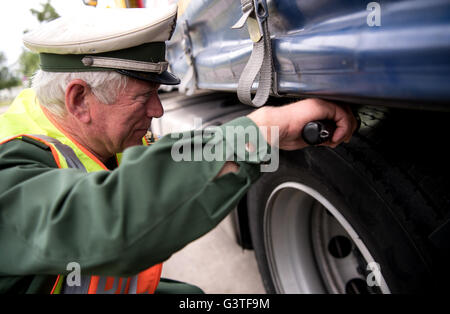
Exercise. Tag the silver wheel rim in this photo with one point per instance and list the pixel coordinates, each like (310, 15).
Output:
(311, 247)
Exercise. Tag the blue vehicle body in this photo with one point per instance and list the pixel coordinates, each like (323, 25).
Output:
(371, 215)
(326, 48)
(390, 182)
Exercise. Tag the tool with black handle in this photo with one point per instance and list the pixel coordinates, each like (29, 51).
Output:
(318, 132)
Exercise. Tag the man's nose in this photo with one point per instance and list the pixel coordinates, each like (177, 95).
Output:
(154, 107)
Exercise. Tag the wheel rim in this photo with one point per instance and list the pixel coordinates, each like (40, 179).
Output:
(311, 247)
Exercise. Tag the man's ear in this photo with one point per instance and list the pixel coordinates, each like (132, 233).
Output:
(77, 92)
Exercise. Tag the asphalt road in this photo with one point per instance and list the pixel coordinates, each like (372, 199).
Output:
(216, 264)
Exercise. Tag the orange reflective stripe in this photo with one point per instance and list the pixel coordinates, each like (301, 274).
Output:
(143, 283)
(26, 117)
(9, 139)
(119, 286)
(93, 284)
(81, 147)
(88, 153)
(57, 279)
(109, 283)
(53, 150)
(148, 280)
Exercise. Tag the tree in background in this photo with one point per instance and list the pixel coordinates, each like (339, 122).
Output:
(47, 13)
(29, 61)
(7, 79)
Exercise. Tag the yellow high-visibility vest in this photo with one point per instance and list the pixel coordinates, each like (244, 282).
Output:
(25, 117)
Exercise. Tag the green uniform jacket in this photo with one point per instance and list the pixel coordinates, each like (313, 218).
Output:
(113, 223)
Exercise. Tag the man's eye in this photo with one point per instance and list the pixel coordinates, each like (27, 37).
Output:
(143, 98)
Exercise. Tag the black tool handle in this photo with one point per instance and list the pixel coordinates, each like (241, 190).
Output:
(318, 132)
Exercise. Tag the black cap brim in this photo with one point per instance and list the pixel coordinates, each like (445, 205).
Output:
(165, 78)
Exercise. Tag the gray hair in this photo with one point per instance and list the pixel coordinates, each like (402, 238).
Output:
(50, 87)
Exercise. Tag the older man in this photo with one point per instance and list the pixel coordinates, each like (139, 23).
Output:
(63, 199)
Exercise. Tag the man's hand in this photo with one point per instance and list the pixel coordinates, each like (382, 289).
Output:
(293, 117)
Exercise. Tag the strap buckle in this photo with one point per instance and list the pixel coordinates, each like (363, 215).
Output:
(260, 64)
(255, 13)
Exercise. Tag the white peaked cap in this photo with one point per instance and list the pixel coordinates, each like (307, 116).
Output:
(131, 41)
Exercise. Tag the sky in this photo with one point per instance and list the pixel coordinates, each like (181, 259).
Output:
(15, 17)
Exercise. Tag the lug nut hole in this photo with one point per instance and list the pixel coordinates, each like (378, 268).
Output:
(340, 246)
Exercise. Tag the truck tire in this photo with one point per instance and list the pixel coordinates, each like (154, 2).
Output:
(358, 218)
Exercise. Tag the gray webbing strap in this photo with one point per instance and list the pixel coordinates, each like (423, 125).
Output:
(72, 162)
(260, 61)
(83, 288)
(68, 153)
